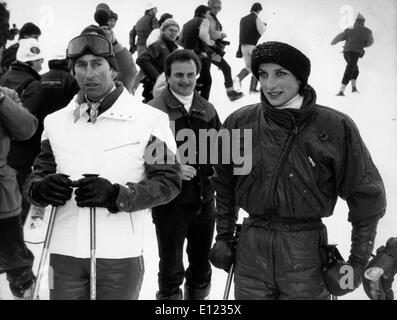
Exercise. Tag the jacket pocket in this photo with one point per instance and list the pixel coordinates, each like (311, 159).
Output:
(10, 197)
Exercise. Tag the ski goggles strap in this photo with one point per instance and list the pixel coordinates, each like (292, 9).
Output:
(96, 44)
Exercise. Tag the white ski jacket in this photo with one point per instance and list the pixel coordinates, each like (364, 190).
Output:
(114, 147)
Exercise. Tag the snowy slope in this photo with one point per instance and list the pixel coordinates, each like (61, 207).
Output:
(308, 24)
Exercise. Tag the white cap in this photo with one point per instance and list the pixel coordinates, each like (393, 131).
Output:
(150, 5)
(29, 50)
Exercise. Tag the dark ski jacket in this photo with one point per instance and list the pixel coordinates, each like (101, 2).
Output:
(302, 160)
(16, 123)
(58, 85)
(202, 115)
(26, 81)
(152, 60)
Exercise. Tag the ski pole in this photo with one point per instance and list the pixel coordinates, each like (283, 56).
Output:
(92, 246)
(44, 253)
(228, 283)
(93, 253)
(231, 270)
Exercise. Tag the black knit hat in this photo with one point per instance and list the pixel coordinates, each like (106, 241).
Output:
(164, 17)
(29, 29)
(201, 11)
(256, 7)
(284, 55)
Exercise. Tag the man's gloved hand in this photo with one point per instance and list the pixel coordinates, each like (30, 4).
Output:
(132, 49)
(97, 192)
(222, 254)
(55, 189)
(12, 94)
(379, 272)
(342, 277)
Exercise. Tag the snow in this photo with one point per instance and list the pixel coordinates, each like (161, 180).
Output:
(308, 24)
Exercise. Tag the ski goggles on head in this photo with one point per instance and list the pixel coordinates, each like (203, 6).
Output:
(96, 44)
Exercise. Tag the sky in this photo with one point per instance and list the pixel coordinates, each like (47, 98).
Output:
(310, 25)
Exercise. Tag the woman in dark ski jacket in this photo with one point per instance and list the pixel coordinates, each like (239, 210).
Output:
(303, 157)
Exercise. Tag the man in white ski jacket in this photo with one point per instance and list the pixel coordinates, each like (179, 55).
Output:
(108, 132)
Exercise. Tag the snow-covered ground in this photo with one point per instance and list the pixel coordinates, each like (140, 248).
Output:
(308, 24)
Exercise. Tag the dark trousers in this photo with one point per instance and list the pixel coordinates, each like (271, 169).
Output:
(22, 173)
(351, 71)
(16, 260)
(279, 264)
(227, 72)
(117, 279)
(173, 226)
(205, 79)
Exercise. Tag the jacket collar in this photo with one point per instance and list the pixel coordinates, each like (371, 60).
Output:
(288, 117)
(172, 102)
(23, 67)
(59, 64)
(119, 105)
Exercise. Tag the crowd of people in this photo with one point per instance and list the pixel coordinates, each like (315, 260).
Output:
(123, 157)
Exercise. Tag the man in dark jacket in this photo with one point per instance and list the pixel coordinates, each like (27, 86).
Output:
(17, 123)
(152, 60)
(303, 157)
(357, 38)
(139, 34)
(23, 77)
(58, 85)
(251, 29)
(191, 214)
(28, 30)
(195, 36)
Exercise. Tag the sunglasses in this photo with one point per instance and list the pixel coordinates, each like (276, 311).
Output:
(96, 44)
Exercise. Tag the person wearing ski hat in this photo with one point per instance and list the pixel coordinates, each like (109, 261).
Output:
(380, 271)
(356, 39)
(122, 62)
(152, 60)
(303, 157)
(156, 33)
(108, 132)
(23, 77)
(28, 30)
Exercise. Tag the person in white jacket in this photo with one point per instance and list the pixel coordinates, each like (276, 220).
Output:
(108, 132)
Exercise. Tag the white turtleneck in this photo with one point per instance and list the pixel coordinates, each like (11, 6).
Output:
(295, 103)
(185, 100)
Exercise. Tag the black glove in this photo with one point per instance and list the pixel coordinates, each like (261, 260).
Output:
(379, 272)
(222, 254)
(342, 278)
(346, 277)
(97, 192)
(132, 49)
(54, 189)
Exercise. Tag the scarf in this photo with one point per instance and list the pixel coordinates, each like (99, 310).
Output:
(94, 109)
